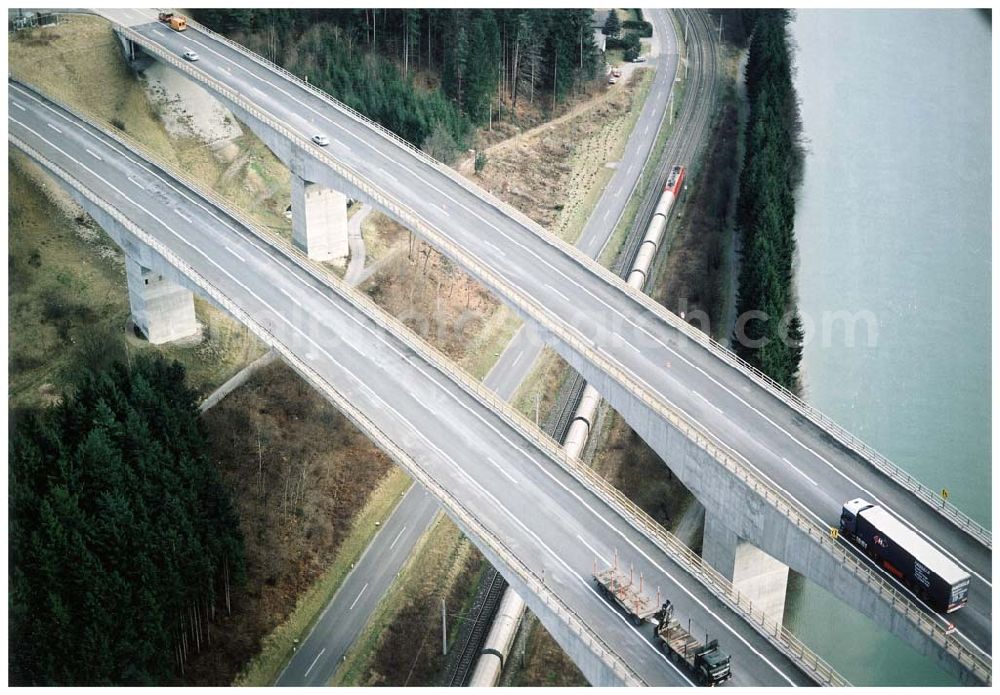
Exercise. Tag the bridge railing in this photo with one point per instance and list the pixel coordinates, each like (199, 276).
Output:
(632, 514)
(881, 462)
(570, 336)
(462, 514)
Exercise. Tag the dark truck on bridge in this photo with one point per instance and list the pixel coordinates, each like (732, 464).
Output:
(930, 574)
(706, 662)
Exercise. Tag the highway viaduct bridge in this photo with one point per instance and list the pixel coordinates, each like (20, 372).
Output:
(770, 471)
(539, 516)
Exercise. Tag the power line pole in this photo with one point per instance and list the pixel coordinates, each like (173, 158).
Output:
(444, 630)
(720, 27)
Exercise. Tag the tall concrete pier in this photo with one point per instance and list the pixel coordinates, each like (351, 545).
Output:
(753, 572)
(163, 310)
(319, 220)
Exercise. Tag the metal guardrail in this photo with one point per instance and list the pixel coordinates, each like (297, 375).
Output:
(534, 582)
(576, 341)
(955, 515)
(632, 514)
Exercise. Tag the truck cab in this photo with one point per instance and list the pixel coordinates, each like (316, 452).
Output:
(849, 515)
(712, 664)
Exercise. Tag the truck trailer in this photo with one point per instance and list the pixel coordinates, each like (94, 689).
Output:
(709, 664)
(621, 588)
(930, 574)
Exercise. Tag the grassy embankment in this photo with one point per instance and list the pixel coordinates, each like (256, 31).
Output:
(73, 268)
(401, 645)
(312, 491)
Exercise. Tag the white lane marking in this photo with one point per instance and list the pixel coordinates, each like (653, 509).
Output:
(282, 290)
(358, 597)
(418, 432)
(94, 155)
(380, 169)
(135, 182)
(626, 342)
(158, 32)
(798, 470)
(593, 550)
(872, 496)
(236, 254)
(517, 359)
(398, 535)
(550, 287)
(182, 216)
(315, 660)
(707, 401)
(494, 247)
(502, 470)
(443, 209)
(376, 397)
(54, 128)
(15, 103)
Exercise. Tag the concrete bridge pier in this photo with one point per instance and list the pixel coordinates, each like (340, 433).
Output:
(163, 310)
(129, 48)
(757, 575)
(319, 220)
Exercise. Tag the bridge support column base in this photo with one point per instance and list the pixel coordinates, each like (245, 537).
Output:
(757, 575)
(319, 221)
(162, 310)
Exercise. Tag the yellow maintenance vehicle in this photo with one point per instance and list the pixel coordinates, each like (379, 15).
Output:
(176, 21)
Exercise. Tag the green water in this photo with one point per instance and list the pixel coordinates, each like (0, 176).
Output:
(893, 224)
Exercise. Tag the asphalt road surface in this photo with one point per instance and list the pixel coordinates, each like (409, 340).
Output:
(545, 516)
(766, 435)
(317, 658)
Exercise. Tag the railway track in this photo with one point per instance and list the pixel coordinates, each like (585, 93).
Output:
(462, 665)
(696, 114)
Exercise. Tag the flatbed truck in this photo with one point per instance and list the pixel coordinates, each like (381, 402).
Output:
(705, 661)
